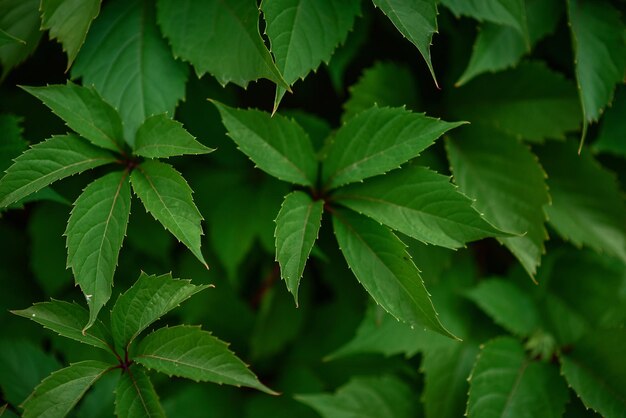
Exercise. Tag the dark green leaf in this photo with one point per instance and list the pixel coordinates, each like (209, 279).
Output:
(19, 19)
(13, 144)
(7, 39)
(613, 126)
(135, 396)
(162, 137)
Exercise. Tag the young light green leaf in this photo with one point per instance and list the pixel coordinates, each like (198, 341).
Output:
(416, 20)
(162, 137)
(366, 397)
(130, 64)
(277, 145)
(587, 203)
(297, 226)
(83, 110)
(613, 126)
(189, 352)
(47, 162)
(505, 382)
(304, 33)
(206, 33)
(68, 319)
(145, 302)
(595, 369)
(600, 53)
(167, 196)
(376, 141)
(57, 394)
(69, 21)
(419, 203)
(509, 186)
(381, 264)
(95, 233)
(19, 19)
(135, 396)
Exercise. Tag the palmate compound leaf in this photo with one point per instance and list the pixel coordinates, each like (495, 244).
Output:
(304, 33)
(95, 233)
(57, 394)
(68, 319)
(19, 19)
(83, 110)
(297, 226)
(277, 145)
(135, 396)
(419, 203)
(47, 162)
(189, 352)
(381, 264)
(167, 196)
(128, 61)
(505, 382)
(416, 20)
(145, 302)
(508, 185)
(376, 141)
(220, 37)
(69, 21)
(162, 137)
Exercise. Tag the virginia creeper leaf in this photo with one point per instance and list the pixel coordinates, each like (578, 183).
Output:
(189, 352)
(83, 110)
(167, 196)
(381, 264)
(131, 65)
(509, 186)
(277, 145)
(419, 203)
(57, 394)
(162, 137)
(19, 19)
(297, 226)
(68, 319)
(95, 233)
(69, 21)
(135, 396)
(613, 126)
(376, 141)
(47, 162)
(219, 37)
(416, 20)
(145, 302)
(587, 204)
(505, 382)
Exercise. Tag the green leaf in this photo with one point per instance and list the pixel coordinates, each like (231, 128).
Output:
(47, 162)
(366, 397)
(530, 102)
(162, 137)
(13, 144)
(600, 53)
(61, 391)
(205, 33)
(69, 21)
(416, 20)
(381, 264)
(613, 127)
(277, 145)
(167, 196)
(83, 110)
(68, 319)
(373, 89)
(19, 19)
(419, 203)
(95, 233)
(376, 141)
(595, 369)
(508, 305)
(135, 396)
(304, 33)
(145, 302)
(587, 204)
(128, 61)
(189, 352)
(509, 186)
(505, 382)
(8, 39)
(297, 226)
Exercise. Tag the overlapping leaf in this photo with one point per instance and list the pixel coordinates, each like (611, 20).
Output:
(18, 19)
(135, 396)
(8, 39)
(162, 137)
(12, 144)
(613, 127)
